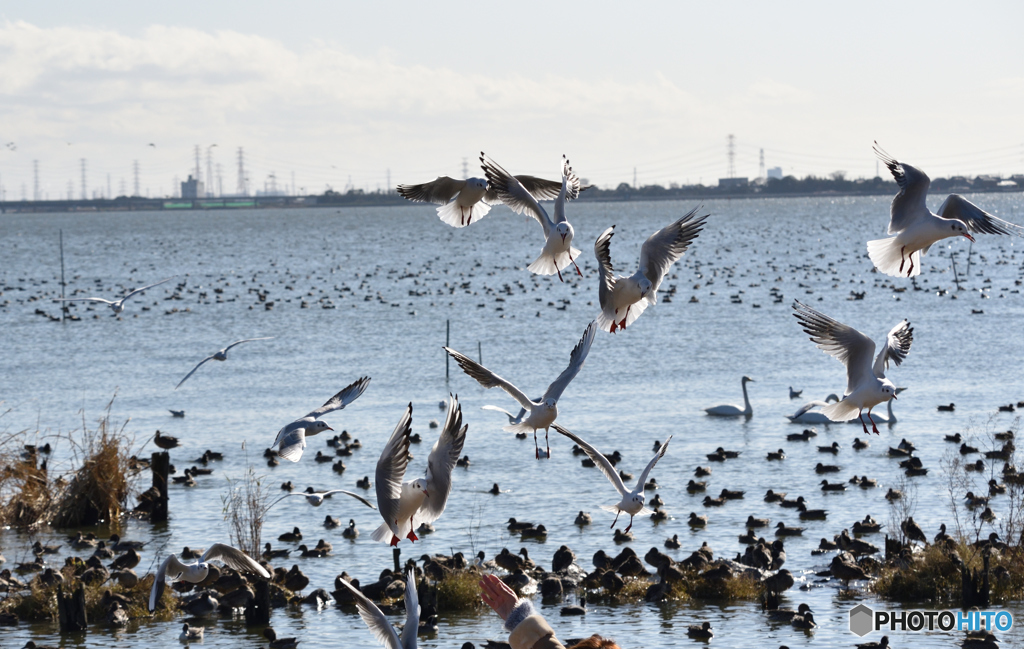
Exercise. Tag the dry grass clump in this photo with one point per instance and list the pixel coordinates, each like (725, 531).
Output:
(25, 491)
(934, 575)
(634, 590)
(721, 590)
(458, 591)
(39, 604)
(245, 508)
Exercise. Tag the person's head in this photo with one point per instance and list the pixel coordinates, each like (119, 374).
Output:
(595, 642)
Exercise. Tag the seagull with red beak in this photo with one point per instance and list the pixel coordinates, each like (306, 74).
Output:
(405, 506)
(291, 439)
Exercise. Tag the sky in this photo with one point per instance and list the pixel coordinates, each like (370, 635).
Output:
(329, 94)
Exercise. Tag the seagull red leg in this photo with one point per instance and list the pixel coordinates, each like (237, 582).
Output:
(578, 272)
(412, 535)
(861, 417)
(874, 428)
(630, 526)
(616, 518)
(902, 258)
(536, 446)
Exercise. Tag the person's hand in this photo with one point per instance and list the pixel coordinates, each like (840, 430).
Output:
(497, 595)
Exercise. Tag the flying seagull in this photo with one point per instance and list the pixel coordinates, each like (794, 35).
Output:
(632, 502)
(542, 412)
(378, 623)
(222, 355)
(866, 385)
(173, 569)
(623, 299)
(316, 498)
(405, 506)
(917, 228)
(118, 304)
(292, 438)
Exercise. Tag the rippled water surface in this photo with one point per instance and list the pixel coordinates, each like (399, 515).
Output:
(395, 276)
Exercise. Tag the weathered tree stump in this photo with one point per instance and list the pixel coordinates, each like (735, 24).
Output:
(160, 465)
(257, 612)
(71, 610)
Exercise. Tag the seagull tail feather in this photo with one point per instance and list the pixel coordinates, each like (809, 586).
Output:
(887, 258)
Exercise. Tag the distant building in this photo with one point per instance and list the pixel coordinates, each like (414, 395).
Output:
(775, 172)
(732, 183)
(192, 188)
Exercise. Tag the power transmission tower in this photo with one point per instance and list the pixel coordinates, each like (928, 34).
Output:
(198, 175)
(465, 169)
(220, 180)
(760, 165)
(732, 156)
(84, 194)
(242, 191)
(35, 180)
(209, 170)
(135, 170)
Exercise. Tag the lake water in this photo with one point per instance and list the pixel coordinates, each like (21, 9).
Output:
(395, 276)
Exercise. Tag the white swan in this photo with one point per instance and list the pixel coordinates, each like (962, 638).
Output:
(729, 410)
(806, 415)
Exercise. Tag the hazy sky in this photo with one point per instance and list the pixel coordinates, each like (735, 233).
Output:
(331, 90)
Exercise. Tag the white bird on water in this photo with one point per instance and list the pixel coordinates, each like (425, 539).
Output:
(405, 506)
(291, 439)
(807, 415)
(316, 498)
(378, 623)
(558, 234)
(172, 569)
(538, 414)
(729, 410)
(917, 228)
(623, 299)
(632, 502)
(472, 198)
(116, 305)
(222, 355)
(866, 385)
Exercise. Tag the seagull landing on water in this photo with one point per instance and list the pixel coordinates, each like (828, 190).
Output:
(378, 622)
(465, 201)
(558, 251)
(172, 569)
(917, 228)
(292, 438)
(866, 385)
(632, 502)
(405, 506)
(534, 414)
(222, 355)
(117, 306)
(623, 299)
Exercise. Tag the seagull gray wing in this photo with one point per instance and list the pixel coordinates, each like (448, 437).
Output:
(159, 583)
(512, 419)
(599, 460)
(602, 250)
(650, 465)
(374, 619)
(247, 340)
(489, 379)
(897, 346)
(569, 190)
(976, 219)
(412, 611)
(852, 348)
(666, 246)
(342, 399)
(349, 493)
(139, 290)
(540, 188)
(438, 191)
(391, 466)
(910, 201)
(441, 461)
(193, 371)
(576, 360)
(512, 193)
(84, 299)
(234, 558)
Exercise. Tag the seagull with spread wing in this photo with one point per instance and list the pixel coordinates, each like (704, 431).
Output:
(866, 385)
(116, 305)
(558, 251)
(632, 502)
(172, 569)
(534, 414)
(405, 506)
(222, 355)
(291, 439)
(917, 229)
(465, 201)
(378, 623)
(316, 498)
(623, 299)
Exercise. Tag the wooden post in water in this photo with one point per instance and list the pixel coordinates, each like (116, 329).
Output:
(63, 304)
(397, 554)
(71, 610)
(160, 465)
(956, 279)
(257, 612)
(447, 343)
(970, 249)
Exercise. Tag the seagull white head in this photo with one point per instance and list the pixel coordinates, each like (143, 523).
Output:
(318, 426)
(476, 183)
(550, 402)
(421, 485)
(565, 231)
(645, 286)
(961, 228)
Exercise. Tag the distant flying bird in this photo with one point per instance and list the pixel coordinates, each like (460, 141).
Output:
(917, 228)
(632, 502)
(378, 622)
(222, 355)
(405, 506)
(291, 439)
(316, 498)
(538, 414)
(172, 569)
(558, 234)
(117, 305)
(866, 385)
(152, 145)
(623, 299)
(472, 197)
